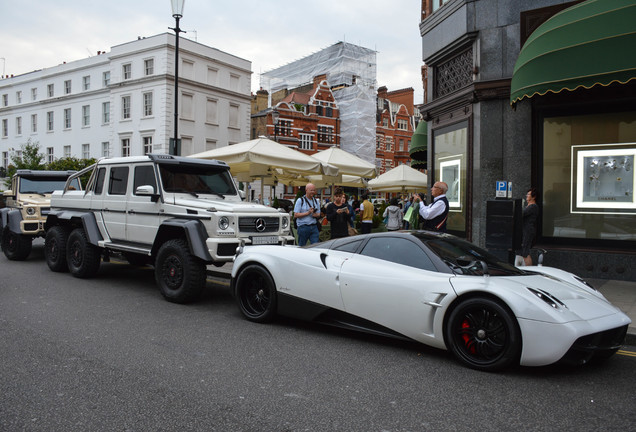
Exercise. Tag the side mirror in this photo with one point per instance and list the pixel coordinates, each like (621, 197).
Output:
(147, 190)
(242, 194)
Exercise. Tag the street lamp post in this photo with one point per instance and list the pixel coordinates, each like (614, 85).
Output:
(177, 13)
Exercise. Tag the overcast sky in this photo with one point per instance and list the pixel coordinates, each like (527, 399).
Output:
(36, 34)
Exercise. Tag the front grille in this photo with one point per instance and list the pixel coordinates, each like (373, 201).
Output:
(601, 345)
(45, 211)
(227, 249)
(248, 224)
(31, 226)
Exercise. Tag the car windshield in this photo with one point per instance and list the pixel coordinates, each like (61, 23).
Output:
(197, 180)
(465, 258)
(44, 185)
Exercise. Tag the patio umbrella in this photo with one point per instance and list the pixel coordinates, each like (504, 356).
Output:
(259, 158)
(347, 163)
(402, 178)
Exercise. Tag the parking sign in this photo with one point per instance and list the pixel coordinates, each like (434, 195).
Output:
(501, 189)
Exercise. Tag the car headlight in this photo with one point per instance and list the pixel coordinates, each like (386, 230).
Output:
(285, 223)
(224, 223)
(30, 211)
(548, 298)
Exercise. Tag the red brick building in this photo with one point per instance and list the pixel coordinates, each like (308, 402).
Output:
(395, 124)
(306, 118)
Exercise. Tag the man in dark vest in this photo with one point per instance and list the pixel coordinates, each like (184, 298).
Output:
(436, 213)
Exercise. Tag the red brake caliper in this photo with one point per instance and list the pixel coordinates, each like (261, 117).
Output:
(466, 337)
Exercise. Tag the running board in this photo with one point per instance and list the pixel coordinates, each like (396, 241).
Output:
(125, 248)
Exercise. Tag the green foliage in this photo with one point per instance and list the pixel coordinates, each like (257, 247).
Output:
(70, 163)
(74, 164)
(31, 158)
(34, 160)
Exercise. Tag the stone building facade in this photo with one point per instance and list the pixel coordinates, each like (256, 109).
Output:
(477, 135)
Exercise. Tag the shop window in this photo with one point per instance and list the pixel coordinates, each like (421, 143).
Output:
(450, 158)
(588, 178)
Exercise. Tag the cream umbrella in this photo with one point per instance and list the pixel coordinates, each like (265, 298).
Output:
(346, 162)
(259, 158)
(402, 178)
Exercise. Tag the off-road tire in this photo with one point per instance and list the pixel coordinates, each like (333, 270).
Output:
(55, 248)
(16, 247)
(180, 275)
(83, 258)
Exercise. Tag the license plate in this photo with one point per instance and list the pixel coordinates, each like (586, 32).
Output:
(265, 240)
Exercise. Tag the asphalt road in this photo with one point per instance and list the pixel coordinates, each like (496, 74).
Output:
(109, 354)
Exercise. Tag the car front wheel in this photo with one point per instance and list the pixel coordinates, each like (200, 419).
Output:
(55, 248)
(256, 293)
(179, 274)
(16, 247)
(83, 258)
(483, 334)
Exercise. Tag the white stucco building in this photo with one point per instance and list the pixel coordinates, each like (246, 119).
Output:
(121, 102)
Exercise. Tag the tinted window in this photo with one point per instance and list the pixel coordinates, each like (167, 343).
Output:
(398, 250)
(351, 246)
(44, 184)
(144, 176)
(118, 181)
(466, 258)
(99, 184)
(197, 179)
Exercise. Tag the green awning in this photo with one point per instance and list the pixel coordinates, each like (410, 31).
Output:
(419, 143)
(591, 43)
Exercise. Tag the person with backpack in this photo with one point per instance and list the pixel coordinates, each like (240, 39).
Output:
(306, 214)
(394, 214)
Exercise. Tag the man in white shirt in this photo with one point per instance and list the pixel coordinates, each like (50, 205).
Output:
(436, 213)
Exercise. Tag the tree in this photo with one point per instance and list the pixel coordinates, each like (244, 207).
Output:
(29, 158)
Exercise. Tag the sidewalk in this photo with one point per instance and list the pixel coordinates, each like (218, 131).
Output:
(621, 294)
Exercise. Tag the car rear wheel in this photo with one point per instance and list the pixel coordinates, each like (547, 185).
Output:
(483, 334)
(179, 274)
(83, 258)
(55, 248)
(16, 247)
(256, 294)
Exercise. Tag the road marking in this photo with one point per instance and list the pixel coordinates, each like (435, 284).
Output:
(626, 353)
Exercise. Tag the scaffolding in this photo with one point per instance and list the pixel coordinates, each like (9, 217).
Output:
(351, 73)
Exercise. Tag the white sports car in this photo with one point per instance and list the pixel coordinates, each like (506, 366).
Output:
(436, 289)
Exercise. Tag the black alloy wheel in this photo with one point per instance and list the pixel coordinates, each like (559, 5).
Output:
(256, 294)
(180, 275)
(483, 334)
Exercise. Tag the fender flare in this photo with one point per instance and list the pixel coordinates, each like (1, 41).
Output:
(11, 217)
(195, 234)
(65, 217)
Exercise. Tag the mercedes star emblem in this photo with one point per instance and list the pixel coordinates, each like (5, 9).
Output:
(260, 224)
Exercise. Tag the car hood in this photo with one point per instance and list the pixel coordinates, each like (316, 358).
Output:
(35, 199)
(573, 300)
(579, 301)
(220, 205)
